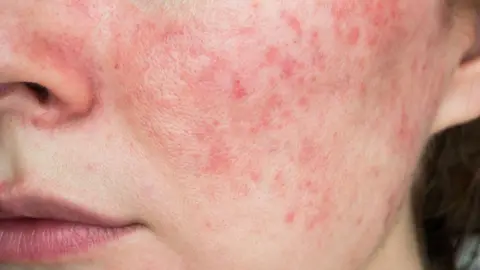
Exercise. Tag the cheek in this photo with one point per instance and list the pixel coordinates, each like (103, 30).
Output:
(218, 101)
(270, 103)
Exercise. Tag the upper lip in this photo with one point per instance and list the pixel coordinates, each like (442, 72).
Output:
(52, 208)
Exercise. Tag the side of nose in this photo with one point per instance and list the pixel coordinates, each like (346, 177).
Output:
(44, 77)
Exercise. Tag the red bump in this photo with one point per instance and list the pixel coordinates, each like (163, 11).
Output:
(288, 67)
(239, 92)
(92, 167)
(272, 55)
(290, 217)
(314, 38)
(353, 36)
(219, 159)
(293, 23)
(255, 176)
(303, 102)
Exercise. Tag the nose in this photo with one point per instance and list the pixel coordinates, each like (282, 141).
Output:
(43, 85)
(42, 78)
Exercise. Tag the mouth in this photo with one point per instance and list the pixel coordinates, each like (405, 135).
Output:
(36, 229)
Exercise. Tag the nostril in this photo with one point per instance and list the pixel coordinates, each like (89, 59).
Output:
(41, 92)
(34, 102)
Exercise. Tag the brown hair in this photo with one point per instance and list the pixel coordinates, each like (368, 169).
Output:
(447, 197)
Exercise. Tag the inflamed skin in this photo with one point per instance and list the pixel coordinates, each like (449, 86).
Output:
(234, 134)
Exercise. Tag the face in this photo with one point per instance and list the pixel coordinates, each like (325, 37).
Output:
(235, 134)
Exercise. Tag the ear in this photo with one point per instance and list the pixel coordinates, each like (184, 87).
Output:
(461, 102)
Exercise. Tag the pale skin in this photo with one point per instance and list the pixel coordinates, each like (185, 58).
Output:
(240, 134)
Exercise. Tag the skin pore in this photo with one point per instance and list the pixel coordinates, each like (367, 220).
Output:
(240, 134)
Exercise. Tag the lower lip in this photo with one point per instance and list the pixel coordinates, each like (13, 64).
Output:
(32, 240)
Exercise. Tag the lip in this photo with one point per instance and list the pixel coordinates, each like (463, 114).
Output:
(40, 229)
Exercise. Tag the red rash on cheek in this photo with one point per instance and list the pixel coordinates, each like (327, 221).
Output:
(246, 90)
(233, 108)
(293, 23)
(379, 20)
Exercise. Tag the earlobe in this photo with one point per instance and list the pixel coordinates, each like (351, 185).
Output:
(461, 102)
